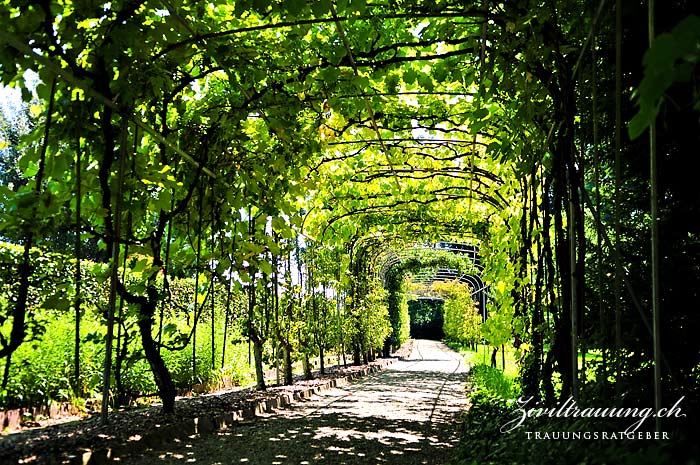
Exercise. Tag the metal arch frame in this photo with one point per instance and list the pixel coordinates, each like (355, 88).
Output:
(471, 250)
(394, 257)
(474, 281)
(479, 289)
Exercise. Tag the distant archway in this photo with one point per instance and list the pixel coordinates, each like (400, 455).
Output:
(471, 277)
(427, 263)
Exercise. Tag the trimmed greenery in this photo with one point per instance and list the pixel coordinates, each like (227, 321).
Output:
(41, 370)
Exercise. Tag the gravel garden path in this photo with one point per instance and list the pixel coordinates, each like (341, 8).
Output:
(404, 415)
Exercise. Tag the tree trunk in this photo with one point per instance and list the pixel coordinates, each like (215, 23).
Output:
(547, 372)
(288, 375)
(278, 376)
(122, 352)
(322, 362)
(258, 357)
(166, 388)
(307, 367)
(562, 346)
(6, 372)
(24, 268)
(356, 356)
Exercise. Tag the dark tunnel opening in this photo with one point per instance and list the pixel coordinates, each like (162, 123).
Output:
(426, 316)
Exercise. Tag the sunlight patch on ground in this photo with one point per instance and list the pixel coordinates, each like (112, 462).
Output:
(383, 436)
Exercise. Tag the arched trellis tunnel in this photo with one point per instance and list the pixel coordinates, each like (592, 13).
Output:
(479, 289)
(425, 264)
(352, 113)
(472, 277)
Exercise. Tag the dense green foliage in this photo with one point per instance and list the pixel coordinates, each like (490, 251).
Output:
(426, 317)
(483, 443)
(308, 157)
(398, 307)
(41, 369)
(493, 381)
(461, 319)
(493, 409)
(371, 321)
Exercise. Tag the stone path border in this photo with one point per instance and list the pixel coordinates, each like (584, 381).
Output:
(408, 414)
(208, 424)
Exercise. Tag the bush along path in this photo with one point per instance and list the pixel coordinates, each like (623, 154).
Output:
(90, 442)
(405, 415)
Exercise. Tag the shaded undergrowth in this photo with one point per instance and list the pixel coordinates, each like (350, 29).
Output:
(493, 433)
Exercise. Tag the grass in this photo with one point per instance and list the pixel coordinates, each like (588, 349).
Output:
(482, 355)
(496, 381)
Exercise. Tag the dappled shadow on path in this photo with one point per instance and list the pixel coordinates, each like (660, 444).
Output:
(405, 415)
(394, 418)
(318, 438)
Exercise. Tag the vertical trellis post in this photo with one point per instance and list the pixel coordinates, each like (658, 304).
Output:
(197, 306)
(114, 275)
(213, 278)
(574, 291)
(617, 283)
(596, 182)
(655, 281)
(78, 253)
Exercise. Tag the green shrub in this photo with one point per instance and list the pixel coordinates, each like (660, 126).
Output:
(492, 381)
(41, 369)
(482, 442)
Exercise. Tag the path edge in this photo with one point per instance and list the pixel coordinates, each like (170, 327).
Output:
(209, 424)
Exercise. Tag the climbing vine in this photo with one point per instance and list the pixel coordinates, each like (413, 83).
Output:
(277, 176)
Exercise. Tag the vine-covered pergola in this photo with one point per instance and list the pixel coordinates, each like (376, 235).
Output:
(293, 150)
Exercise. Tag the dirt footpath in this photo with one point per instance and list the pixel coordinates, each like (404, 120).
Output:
(405, 415)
